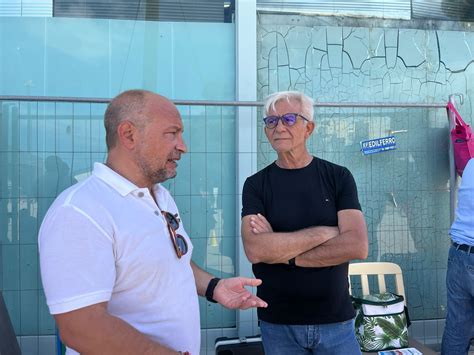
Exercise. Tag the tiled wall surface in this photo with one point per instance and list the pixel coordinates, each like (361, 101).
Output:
(54, 152)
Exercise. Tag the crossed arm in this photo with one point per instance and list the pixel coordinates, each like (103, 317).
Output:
(311, 247)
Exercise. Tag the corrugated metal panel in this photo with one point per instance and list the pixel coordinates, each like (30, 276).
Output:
(400, 9)
(162, 10)
(443, 9)
(42, 8)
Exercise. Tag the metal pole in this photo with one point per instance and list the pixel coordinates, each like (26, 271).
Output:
(452, 167)
(227, 103)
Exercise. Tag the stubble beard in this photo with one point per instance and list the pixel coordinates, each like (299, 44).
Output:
(155, 175)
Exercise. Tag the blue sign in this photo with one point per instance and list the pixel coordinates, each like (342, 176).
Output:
(378, 145)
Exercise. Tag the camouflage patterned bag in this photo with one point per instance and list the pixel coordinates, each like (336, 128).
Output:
(381, 322)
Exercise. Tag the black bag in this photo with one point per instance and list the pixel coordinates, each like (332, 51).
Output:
(239, 346)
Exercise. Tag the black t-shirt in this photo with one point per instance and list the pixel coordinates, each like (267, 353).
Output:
(293, 199)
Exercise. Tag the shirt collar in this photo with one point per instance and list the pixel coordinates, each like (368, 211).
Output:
(119, 183)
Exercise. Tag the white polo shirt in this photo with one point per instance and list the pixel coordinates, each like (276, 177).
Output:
(105, 240)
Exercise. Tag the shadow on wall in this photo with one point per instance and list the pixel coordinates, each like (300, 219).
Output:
(56, 178)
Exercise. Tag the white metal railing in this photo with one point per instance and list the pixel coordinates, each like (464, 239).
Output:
(226, 103)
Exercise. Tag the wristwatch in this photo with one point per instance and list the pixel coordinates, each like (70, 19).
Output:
(210, 289)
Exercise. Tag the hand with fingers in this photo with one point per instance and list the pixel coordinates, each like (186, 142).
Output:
(260, 224)
(231, 293)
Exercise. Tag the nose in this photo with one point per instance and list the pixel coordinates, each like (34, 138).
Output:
(181, 146)
(280, 126)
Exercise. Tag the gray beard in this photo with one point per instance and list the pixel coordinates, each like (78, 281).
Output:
(155, 176)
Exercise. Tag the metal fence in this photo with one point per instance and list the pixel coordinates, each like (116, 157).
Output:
(49, 143)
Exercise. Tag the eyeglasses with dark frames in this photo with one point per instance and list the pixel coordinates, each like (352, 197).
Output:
(179, 243)
(288, 119)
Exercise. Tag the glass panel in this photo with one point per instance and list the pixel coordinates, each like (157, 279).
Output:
(38, 162)
(203, 187)
(54, 146)
(60, 57)
(47, 146)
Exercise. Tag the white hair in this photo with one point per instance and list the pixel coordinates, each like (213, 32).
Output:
(306, 102)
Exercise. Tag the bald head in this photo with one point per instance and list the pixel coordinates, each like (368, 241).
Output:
(134, 106)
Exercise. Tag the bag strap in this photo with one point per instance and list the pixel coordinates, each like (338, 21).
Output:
(407, 316)
(360, 301)
(459, 120)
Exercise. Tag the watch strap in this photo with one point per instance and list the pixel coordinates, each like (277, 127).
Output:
(210, 289)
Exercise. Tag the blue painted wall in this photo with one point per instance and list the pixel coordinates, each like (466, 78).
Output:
(100, 58)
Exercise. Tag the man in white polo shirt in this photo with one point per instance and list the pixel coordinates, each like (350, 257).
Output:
(115, 259)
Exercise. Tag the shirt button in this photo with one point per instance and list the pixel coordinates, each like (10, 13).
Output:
(157, 213)
(141, 194)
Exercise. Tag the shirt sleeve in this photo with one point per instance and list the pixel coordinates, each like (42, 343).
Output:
(252, 202)
(77, 260)
(347, 197)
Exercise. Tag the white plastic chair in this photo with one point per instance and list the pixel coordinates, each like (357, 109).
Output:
(380, 269)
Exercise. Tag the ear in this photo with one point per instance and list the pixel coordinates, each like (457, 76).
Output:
(310, 125)
(127, 134)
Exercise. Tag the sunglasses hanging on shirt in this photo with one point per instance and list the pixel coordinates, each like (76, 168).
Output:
(179, 243)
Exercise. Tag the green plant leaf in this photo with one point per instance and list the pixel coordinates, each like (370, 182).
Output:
(390, 329)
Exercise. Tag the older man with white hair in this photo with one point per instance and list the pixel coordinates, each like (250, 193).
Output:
(301, 225)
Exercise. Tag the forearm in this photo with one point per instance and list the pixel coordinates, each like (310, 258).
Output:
(106, 334)
(202, 279)
(273, 247)
(229, 292)
(343, 248)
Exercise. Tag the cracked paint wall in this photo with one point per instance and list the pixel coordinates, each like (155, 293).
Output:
(337, 63)
(404, 193)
